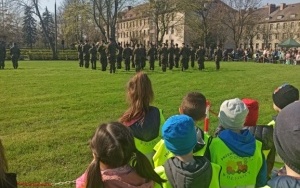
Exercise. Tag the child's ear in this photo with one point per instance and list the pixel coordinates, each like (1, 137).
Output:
(180, 110)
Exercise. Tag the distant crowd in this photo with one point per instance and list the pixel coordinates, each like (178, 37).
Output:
(143, 150)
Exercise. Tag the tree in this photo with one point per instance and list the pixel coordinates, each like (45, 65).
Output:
(49, 27)
(29, 27)
(236, 14)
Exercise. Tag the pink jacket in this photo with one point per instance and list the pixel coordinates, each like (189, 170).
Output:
(118, 178)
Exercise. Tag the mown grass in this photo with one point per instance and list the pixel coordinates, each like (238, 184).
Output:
(49, 110)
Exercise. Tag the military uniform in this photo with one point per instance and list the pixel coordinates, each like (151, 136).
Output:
(80, 54)
(184, 58)
(164, 58)
(200, 53)
(137, 59)
(152, 53)
(171, 52)
(2, 55)
(120, 56)
(177, 56)
(132, 59)
(159, 55)
(112, 49)
(93, 52)
(218, 58)
(103, 56)
(86, 54)
(144, 56)
(127, 53)
(15, 53)
(192, 55)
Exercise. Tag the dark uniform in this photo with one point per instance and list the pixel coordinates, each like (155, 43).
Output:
(152, 53)
(159, 55)
(103, 56)
(177, 56)
(192, 55)
(144, 56)
(112, 50)
(93, 52)
(80, 53)
(2, 55)
(184, 58)
(127, 53)
(120, 56)
(132, 59)
(164, 58)
(15, 53)
(137, 59)
(188, 56)
(86, 54)
(171, 52)
(218, 57)
(200, 53)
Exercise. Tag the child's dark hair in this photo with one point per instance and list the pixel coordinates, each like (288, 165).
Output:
(194, 105)
(113, 144)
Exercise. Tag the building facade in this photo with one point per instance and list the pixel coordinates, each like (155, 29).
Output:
(277, 24)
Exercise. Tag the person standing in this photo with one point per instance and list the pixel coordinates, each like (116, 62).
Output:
(152, 53)
(184, 57)
(164, 57)
(193, 55)
(159, 54)
(93, 52)
(200, 57)
(132, 55)
(171, 52)
(86, 53)
(127, 53)
(218, 57)
(80, 53)
(144, 55)
(2, 55)
(103, 56)
(112, 55)
(120, 55)
(15, 53)
(138, 58)
(177, 55)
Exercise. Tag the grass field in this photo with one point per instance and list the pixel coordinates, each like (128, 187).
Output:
(49, 110)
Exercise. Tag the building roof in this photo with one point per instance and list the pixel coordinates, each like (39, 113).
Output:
(281, 13)
(135, 12)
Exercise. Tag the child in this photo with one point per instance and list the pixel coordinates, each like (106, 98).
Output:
(7, 180)
(184, 169)
(236, 150)
(113, 149)
(144, 121)
(286, 139)
(193, 105)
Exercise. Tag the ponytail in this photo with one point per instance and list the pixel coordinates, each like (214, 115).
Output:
(94, 178)
(143, 167)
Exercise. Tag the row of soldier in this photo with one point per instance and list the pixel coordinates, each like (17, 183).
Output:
(112, 53)
(14, 52)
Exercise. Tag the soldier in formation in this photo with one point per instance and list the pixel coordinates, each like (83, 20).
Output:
(112, 49)
(103, 56)
(127, 53)
(171, 53)
(80, 53)
(15, 53)
(164, 57)
(120, 56)
(200, 54)
(2, 55)
(193, 56)
(184, 52)
(177, 55)
(86, 53)
(93, 52)
(152, 54)
(138, 58)
(218, 57)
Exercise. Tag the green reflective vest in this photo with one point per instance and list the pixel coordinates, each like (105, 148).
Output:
(147, 147)
(162, 154)
(237, 172)
(214, 183)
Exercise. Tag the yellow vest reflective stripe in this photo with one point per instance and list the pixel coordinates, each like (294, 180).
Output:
(162, 154)
(236, 171)
(214, 182)
(147, 147)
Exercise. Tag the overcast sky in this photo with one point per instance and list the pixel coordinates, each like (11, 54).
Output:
(50, 3)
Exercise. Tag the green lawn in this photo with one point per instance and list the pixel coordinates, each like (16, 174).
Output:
(49, 110)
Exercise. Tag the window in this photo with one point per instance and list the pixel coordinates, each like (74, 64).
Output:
(127, 34)
(172, 30)
(167, 31)
(270, 36)
(271, 26)
(144, 32)
(279, 17)
(258, 36)
(284, 25)
(127, 24)
(257, 45)
(133, 24)
(140, 33)
(284, 36)
(292, 24)
(172, 17)
(144, 21)
(277, 26)
(140, 22)
(276, 36)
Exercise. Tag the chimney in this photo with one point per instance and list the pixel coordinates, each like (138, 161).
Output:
(282, 6)
(129, 7)
(272, 8)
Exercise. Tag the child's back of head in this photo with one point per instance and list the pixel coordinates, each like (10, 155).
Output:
(194, 105)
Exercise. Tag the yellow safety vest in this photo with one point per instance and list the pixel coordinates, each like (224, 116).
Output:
(236, 171)
(214, 183)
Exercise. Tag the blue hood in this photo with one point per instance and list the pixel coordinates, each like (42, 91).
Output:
(283, 182)
(242, 144)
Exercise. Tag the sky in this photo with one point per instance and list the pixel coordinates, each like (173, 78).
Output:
(50, 3)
